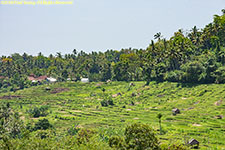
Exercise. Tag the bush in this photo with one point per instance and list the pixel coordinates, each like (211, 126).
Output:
(42, 134)
(104, 103)
(84, 136)
(107, 101)
(73, 130)
(42, 124)
(38, 112)
(140, 136)
(117, 142)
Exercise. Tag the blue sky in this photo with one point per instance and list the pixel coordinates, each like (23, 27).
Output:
(98, 25)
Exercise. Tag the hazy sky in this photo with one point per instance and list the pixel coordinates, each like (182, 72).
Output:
(98, 25)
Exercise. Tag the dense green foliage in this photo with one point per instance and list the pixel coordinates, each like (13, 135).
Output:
(197, 56)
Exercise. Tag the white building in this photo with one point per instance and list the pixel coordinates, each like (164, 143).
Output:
(85, 80)
(51, 80)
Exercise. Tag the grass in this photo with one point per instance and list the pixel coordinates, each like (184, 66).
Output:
(80, 104)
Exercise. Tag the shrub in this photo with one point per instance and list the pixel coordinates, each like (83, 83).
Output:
(42, 124)
(140, 136)
(45, 134)
(73, 130)
(35, 112)
(107, 101)
(84, 136)
(38, 112)
(117, 142)
(104, 103)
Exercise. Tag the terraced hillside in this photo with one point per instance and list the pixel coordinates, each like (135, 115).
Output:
(202, 108)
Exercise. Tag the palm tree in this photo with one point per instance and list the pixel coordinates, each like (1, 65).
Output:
(194, 36)
(58, 54)
(159, 116)
(158, 36)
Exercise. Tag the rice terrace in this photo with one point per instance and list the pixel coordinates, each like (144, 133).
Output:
(80, 105)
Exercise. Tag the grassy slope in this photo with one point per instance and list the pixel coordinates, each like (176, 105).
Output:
(79, 106)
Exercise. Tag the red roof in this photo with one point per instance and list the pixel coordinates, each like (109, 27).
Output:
(41, 78)
(31, 78)
(2, 77)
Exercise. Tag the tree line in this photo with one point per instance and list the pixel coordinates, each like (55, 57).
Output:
(196, 56)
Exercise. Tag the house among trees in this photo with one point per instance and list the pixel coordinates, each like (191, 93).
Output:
(175, 111)
(33, 78)
(194, 142)
(84, 80)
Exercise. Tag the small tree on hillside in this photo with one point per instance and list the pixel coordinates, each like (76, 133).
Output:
(10, 123)
(159, 116)
(42, 124)
(140, 136)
